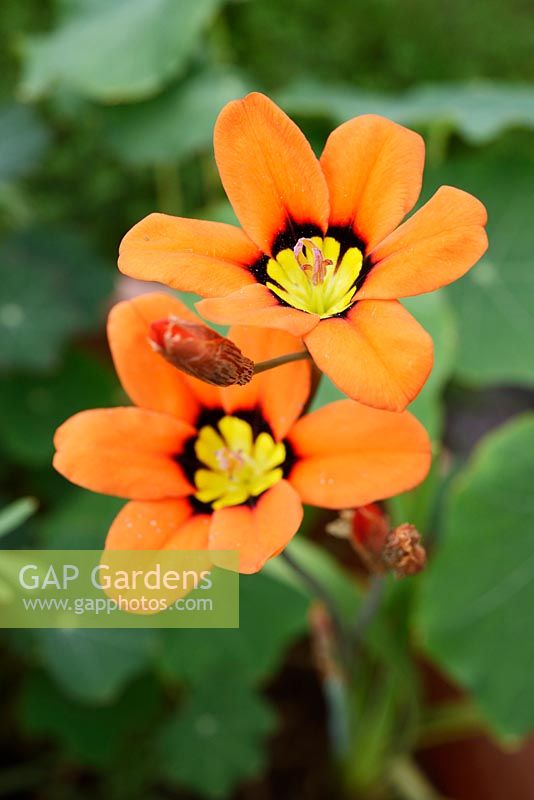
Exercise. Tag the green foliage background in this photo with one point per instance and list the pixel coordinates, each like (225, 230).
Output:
(106, 114)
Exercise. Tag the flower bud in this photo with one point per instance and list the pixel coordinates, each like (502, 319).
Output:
(201, 352)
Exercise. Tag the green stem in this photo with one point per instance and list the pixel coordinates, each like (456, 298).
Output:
(369, 608)
(410, 782)
(318, 590)
(272, 363)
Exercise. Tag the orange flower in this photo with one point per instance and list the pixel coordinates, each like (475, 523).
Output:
(228, 469)
(321, 254)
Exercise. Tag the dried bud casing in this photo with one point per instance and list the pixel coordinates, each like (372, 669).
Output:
(200, 352)
(403, 552)
(382, 550)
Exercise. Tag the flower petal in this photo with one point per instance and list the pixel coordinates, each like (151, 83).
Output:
(209, 258)
(349, 455)
(255, 305)
(280, 393)
(379, 354)
(149, 525)
(128, 452)
(268, 170)
(261, 532)
(433, 248)
(374, 170)
(147, 378)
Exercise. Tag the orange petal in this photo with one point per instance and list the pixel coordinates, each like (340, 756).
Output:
(128, 452)
(268, 170)
(256, 305)
(433, 248)
(188, 254)
(147, 378)
(147, 526)
(374, 170)
(261, 532)
(350, 455)
(379, 354)
(280, 393)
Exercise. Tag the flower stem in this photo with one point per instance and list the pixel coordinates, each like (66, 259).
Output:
(369, 607)
(271, 363)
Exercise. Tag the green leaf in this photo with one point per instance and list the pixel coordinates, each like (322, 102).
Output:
(16, 514)
(175, 125)
(435, 315)
(116, 50)
(80, 522)
(91, 665)
(89, 735)
(53, 286)
(24, 139)
(217, 739)
(476, 605)
(272, 615)
(31, 408)
(494, 303)
(479, 111)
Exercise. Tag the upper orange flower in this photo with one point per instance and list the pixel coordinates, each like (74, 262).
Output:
(320, 253)
(228, 469)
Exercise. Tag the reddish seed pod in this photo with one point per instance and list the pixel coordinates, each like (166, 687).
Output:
(200, 352)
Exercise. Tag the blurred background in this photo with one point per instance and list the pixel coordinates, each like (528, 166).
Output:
(106, 114)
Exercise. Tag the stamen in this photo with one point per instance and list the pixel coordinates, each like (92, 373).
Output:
(229, 460)
(302, 248)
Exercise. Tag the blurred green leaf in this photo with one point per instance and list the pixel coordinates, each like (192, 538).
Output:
(217, 739)
(175, 125)
(272, 615)
(16, 514)
(53, 286)
(479, 111)
(115, 50)
(32, 407)
(434, 313)
(494, 303)
(93, 736)
(476, 605)
(94, 666)
(80, 521)
(24, 139)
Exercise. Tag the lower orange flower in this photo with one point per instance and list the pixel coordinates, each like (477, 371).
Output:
(228, 469)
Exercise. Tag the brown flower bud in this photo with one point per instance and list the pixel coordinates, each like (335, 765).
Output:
(201, 352)
(403, 552)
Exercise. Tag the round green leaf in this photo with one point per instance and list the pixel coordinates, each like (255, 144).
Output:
(217, 739)
(494, 303)
(24, 139)
(116, 50)
(53, 286)
(92, 665)
(476, 606)
(175, 125)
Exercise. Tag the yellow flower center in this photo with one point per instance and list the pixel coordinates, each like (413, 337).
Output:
(238, 466)
(312, 277)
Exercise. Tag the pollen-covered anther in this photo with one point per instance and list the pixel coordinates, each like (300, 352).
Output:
(235, 465)
(315, 275)
(200, 351)
(302, 250)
